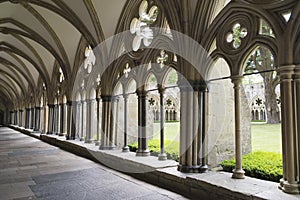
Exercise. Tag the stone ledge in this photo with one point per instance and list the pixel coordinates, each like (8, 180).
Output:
(212, 185)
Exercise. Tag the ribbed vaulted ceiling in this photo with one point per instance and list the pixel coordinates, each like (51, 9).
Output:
(37, 34)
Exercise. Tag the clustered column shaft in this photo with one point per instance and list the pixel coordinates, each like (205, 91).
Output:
(290, 93)
(142, 128)
(97, 143)
(50, 118)
(193, 133)
(107, 140)
(89, 122)
(125, 148)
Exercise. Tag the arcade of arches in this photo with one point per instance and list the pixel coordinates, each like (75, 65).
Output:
(63, 73)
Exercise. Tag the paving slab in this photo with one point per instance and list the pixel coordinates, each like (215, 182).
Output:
(32, 169)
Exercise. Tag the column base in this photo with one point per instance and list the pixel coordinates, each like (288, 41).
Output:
(125, 149)
(82, 139)
(289, 188)
(143, 153)
(37, 131)
(61, 134)
(188, 169)
(107, 148)
(162, 157)
(97, 143)
(238, 174)
(70, 138)
(203, 169)
(89, 141)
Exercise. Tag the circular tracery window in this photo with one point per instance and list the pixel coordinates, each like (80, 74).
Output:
(236, 35)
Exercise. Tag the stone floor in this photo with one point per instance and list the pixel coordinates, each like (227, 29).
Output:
(32, 169)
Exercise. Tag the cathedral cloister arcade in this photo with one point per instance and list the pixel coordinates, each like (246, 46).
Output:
(98, 71)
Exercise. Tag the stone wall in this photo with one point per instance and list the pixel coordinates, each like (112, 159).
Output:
(221, 140)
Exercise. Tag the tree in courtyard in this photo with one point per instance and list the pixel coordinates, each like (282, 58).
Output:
(262, 60)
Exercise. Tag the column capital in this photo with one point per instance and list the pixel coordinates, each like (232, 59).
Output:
(286, 72)
(51, 105)
(161, 88)
(236, 79)
(115, 99)
(70, 103)
(141, 92)
(200, 86)
(297, 72)
(89, 101)
(125, 96)
(106, 98)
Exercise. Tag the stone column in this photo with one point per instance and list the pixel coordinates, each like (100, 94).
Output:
(54, 121)
(125, 147)
(21, 118)
(83, 125)
(89, 122)
(62, 120)
(290, 182)
(27, 118)
(16, 118)
(71, 120)
(46, 114)
(64, 123)
(189, 144)
(142, 129)
(114, 121)
(50, 118)
(32, 117)
(105, 125)
(97, 142)
(38, 111)
(11, 118)
(238, 172)
(42, 120)
(162, 155)
(58, 119)
(78, 120)
(203, 111)
(297, 97)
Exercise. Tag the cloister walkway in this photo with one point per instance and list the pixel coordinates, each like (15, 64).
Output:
(32, 169)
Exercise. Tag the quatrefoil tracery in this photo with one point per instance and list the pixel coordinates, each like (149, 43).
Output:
(141, 26)
(236, 36)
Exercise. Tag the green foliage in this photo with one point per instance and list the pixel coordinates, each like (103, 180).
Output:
(171, 148)
(262, 165)
(172, 78)
(258, 121)
(169, 121)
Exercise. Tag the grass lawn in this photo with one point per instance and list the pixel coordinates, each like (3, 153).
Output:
(266, 137)
(171, 131)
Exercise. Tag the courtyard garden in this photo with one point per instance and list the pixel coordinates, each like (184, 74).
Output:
(265, 161)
